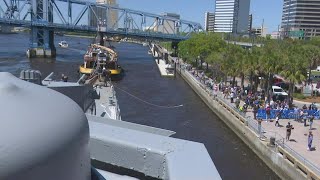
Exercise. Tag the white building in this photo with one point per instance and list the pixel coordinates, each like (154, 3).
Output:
(232, 16)
(259, 31)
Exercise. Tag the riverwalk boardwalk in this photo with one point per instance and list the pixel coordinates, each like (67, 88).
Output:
(299, 136)
(298, 139)
(295, 151)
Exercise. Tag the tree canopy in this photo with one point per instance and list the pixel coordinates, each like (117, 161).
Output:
(292, 59)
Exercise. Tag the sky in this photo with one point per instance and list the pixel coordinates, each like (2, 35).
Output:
(193, 10)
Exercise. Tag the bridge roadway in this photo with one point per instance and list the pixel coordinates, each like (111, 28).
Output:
(84, 28)
(44, 17)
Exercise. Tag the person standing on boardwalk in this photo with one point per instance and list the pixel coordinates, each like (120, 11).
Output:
(289, 127)
(311, 122)
(259, 127)
(225, 93)
(255, 110)
(278, 118)
(310, 139)
(304, 117)
(268, 113)
(232, 94)
(215, 90)
(237, 102)
(296, 113)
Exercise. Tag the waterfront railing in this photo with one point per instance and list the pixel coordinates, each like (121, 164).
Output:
(279, 141)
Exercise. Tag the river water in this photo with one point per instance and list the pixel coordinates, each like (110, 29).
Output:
(193, 121)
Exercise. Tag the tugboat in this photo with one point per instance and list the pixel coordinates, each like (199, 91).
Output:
(99, 58)
(90, 59)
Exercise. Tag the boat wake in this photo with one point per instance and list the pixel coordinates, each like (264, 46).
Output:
(155, 105)
(77, 50)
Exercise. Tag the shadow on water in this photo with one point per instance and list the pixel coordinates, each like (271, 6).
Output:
(193, 121)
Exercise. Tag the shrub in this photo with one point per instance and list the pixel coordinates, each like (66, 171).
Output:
(209, 73)
(299, 96)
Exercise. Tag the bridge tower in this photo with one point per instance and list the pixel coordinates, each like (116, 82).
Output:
(42, 38)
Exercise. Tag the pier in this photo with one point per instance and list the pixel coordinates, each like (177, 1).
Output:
(163, 61)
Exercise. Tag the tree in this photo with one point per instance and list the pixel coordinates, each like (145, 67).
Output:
(311, 55)
(294, 69)
(231, 63)
(271, 63)
(253, 65)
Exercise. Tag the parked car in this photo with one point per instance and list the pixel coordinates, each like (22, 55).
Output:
(283, 85)
(278, 93)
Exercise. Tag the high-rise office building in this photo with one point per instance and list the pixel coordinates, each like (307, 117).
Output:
(232, 16)
(300, 18)
(250, 24)
(209, 22)
(108, 18)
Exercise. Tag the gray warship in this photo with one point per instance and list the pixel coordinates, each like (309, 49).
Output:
(73, 131)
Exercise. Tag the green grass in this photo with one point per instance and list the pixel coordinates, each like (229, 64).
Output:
(299, 96)
(315, 72)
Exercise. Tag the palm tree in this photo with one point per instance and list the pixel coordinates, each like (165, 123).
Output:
(270, 61)
(253, 65)
(231, 63)
(294, 70)
(311, 55)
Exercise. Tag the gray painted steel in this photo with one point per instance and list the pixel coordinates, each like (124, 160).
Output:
(154, 155)
(129, 125)
(83, 95)
(44, 135)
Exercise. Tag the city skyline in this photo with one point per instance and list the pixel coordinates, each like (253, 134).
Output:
(270, 11)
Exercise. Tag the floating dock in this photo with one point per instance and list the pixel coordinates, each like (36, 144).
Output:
(165, 69)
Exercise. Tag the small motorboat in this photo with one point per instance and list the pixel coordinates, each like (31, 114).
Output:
(63, 44)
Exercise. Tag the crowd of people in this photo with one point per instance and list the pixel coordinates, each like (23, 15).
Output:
(274, 108)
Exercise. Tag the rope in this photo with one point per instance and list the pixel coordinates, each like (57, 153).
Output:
(159, 106)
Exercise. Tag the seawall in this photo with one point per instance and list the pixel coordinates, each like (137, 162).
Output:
(280, 161)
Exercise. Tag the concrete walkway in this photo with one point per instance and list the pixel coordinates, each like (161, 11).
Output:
(298, 140)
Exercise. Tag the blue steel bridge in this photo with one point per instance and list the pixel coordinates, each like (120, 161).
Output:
(44, 17)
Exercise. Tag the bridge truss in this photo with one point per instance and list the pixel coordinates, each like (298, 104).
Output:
(46, 16)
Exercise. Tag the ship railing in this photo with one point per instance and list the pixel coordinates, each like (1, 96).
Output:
(82, 79)
(48, 79)
(117, 108)
(303, 164)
